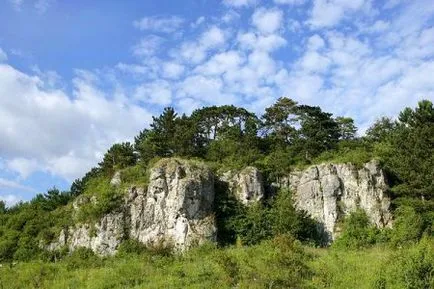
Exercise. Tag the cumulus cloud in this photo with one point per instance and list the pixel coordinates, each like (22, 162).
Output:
(148, 45)
(48, 130)
(327, 13)
(4, 183)
(267, 21)
(165, 24)
(196, 51)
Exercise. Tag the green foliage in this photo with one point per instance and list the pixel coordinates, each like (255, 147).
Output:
(357, 232)
(99, 198)
(409, 268)
(277, 263)
(119, 156)
(347, 129)
(82, 258)
(353, 151)
(136, 175)
(285, 219)
(130, 246)
(407, 228)
(381, 130)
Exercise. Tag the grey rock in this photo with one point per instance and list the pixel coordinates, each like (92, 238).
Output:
(329, 192)
(116, 179)
(247, 185)
(175, 211)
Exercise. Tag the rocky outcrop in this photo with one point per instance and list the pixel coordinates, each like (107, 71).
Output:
(329, 192)
(177, 208)
(174, 211)
(246, 185)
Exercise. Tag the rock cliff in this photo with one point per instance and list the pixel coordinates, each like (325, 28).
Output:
(246, 185)
(329, 192)
(176, 208)
(174, 211)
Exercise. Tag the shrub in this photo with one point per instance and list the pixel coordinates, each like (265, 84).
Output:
(357, 232)
(83, 258)
(408, 227)
(285, 219)
(131, 246)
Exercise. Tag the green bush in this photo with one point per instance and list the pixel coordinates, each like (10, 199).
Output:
(285, 219)
(131, 246)
(407, 228)
(83, 258)
(357, 232)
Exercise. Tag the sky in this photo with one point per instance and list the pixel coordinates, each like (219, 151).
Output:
(78, 76)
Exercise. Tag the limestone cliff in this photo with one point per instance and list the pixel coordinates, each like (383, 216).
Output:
(328, 192)
(175, 211)
(176, 208)
(246, 185)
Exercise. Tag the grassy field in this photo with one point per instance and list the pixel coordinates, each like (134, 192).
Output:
(279, 263)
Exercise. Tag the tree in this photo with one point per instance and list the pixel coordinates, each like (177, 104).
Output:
(411, 157)
(78, 186)
(381, 129)
(347, 129)
(280, 119)
(119, 156)
(2, 207)
(51, 200)
(318, 131)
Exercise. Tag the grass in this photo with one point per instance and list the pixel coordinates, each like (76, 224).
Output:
(278, 263)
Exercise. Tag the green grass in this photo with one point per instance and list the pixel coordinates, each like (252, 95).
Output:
(279, 263)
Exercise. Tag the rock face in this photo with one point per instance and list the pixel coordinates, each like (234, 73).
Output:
(247, 185)
(175, 211)
(177, 208)
(328, 192)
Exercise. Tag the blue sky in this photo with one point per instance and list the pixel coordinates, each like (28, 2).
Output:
(77, 76)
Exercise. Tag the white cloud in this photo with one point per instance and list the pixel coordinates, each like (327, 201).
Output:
(230, 16)
(213, 37)
(315, 42)
(221, 63)
(240, 3)
(10, 200)
(147, 46)
(14, 185)
(157, 92)
(267, 21)
(196, 51)
(269, 43)
(49, 131)
(3, 56)
(159, 23)
(172, 70)
(327, 13)
(198, 22)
